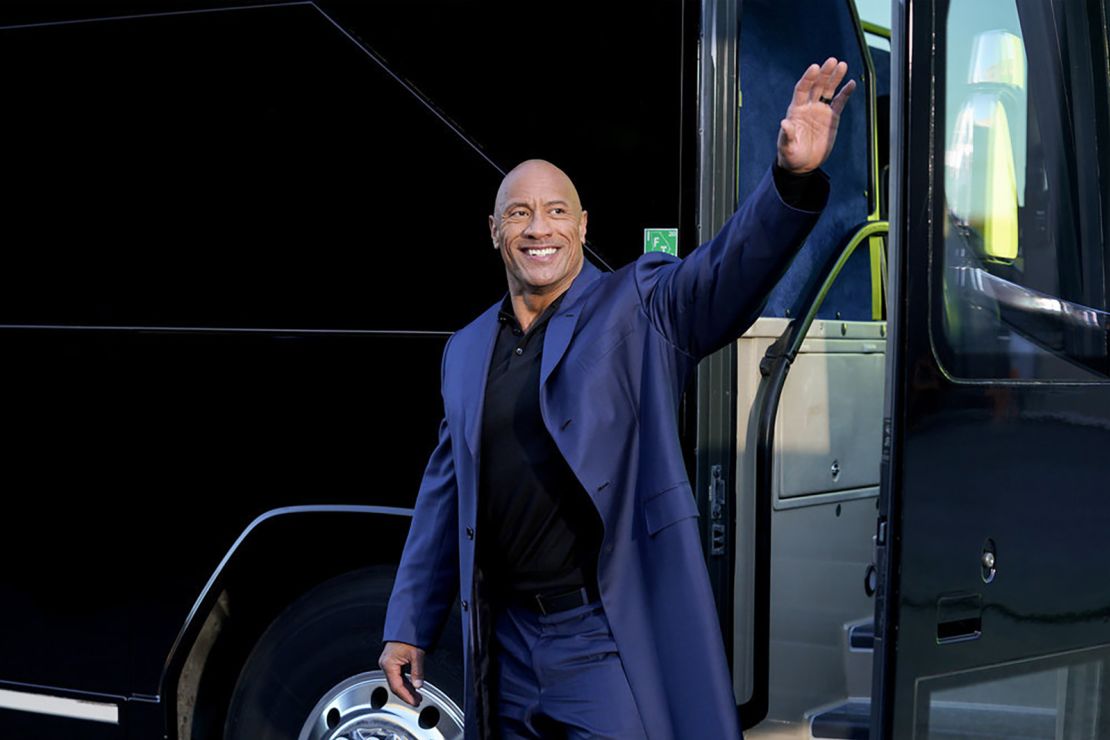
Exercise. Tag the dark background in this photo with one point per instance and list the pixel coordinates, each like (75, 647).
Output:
(234, 244)
(285, 167)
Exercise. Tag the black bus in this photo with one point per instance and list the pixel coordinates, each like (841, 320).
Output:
(238, 234)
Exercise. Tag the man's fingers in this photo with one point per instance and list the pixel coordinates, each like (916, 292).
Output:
(416, 670)
(396, 656)
(819, 81)
(396, 682)
(788, 129)
(841, 98)
(821, 84)
(839, 70)
(805, 84)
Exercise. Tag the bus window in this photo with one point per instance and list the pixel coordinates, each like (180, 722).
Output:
(874, 15)
(1030, 699)
(1023, 287)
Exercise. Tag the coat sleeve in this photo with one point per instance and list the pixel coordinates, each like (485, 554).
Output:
(709, 298)
(428, 576)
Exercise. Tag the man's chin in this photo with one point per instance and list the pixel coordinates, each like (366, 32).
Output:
(544, 283)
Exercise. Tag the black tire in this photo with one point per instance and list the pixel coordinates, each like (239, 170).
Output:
(329, 634)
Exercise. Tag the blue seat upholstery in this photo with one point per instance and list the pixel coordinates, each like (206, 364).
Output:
(777, 43)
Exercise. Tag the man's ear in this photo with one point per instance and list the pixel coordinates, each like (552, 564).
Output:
(493, 231)
(582, 225)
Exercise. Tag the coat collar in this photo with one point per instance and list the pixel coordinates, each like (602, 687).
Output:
(477, 351)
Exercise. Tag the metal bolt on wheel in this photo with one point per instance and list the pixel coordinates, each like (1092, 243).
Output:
(363, 708)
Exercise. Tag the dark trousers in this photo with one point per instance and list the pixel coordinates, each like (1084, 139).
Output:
(560, 676)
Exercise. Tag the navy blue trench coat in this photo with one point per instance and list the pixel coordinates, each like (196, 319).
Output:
(616, 358)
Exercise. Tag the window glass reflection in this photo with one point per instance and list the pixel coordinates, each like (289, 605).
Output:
(1023, 288)
(1059, 696)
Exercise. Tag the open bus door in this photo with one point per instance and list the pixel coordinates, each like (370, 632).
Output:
(993, 604)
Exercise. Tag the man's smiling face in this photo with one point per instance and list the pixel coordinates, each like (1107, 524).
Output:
(539, 227)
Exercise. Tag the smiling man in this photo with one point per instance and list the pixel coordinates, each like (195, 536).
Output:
(557, 497)
(539, 227)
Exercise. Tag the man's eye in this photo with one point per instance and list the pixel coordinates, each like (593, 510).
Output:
(559, 210)
(518, 212)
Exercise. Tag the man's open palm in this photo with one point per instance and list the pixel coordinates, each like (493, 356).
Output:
(807, 134)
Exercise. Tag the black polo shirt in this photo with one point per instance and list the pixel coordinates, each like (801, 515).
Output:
(538, 531)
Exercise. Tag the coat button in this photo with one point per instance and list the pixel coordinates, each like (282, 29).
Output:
(608, 548)
(465, 605)
(470, 533)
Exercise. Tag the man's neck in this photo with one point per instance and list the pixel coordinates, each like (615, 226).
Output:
(528, 306)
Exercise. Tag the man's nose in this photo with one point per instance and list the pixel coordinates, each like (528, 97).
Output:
(538, 227)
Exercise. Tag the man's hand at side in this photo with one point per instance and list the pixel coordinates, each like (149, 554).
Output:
(807, 134)
(394, 657)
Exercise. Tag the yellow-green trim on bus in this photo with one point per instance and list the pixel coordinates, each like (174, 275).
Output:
(875, 29)
(878, 253)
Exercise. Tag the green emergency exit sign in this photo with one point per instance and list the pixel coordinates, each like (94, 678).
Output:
(661, 240)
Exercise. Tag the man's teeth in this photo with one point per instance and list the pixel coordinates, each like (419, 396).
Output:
(541, 252)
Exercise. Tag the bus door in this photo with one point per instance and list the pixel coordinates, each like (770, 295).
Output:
(993, 604)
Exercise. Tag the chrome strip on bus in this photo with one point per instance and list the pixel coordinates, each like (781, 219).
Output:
(94, 711)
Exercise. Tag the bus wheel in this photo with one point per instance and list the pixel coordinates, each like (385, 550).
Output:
(364, 707)
(309, 674)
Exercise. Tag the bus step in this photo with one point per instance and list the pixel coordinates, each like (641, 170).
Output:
(849, 721)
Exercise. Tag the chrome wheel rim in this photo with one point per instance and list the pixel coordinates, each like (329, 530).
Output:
(363, 708)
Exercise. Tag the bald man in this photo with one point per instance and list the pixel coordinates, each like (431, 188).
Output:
(557, 497)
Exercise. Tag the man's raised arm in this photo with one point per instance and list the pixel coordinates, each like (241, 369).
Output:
(706, 300)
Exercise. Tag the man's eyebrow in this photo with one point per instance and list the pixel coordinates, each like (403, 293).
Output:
(521, 204)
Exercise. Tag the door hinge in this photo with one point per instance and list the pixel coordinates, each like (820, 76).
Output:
(718, 525)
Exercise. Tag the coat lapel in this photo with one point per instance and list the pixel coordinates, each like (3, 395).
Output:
(475, 367)
(560, 327)
(478, 353)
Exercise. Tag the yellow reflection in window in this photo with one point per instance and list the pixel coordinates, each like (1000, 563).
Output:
(981, 181)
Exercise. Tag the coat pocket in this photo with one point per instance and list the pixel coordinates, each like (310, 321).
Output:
(668, 506)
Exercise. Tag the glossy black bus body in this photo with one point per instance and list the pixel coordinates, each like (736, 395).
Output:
(996, 479)
(237, 241)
